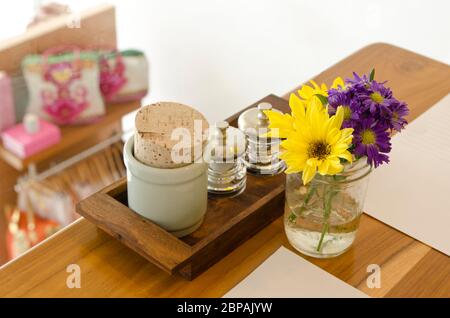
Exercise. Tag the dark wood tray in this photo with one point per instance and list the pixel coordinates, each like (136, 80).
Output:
(228, 222)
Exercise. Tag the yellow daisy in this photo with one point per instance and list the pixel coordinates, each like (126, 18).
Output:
(314, 141)
(308, 93)
(281, 125)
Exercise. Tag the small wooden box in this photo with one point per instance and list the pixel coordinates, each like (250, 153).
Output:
(228, 222)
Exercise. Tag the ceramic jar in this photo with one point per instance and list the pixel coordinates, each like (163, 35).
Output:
(175, 199)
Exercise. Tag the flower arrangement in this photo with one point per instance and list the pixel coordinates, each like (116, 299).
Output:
(328, 127)
(328, 133)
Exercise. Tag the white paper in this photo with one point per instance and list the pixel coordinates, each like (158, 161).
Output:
(412, 192)
(287, 275)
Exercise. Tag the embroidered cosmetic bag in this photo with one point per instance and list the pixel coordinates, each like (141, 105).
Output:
(63, 85)
(124, 76)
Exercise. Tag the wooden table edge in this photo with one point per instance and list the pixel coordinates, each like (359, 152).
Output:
(369, 46)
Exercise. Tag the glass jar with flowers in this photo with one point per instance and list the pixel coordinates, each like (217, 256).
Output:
(332, 140)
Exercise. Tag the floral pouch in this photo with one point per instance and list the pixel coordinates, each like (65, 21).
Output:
(63, 85)
(123, 75)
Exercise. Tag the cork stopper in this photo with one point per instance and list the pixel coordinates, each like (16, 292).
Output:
(169, 135)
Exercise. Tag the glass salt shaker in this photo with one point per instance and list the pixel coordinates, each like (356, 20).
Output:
(227, 174)
(261, 156)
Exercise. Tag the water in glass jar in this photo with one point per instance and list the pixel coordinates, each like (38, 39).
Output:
(304, 228)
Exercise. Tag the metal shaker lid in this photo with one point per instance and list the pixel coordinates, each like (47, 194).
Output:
(253, 121)
(226, 142)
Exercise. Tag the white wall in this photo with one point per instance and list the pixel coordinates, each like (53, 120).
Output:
(221, 55)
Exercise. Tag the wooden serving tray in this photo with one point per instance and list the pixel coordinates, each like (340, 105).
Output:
(228, 222)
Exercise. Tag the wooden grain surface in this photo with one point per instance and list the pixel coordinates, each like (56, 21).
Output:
(108, 268)
(146, 238)
(227, 224)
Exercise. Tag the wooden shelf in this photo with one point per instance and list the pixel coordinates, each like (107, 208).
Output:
(98, 30)
(74, 135)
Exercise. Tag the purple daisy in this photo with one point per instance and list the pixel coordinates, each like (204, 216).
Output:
(373, 141)
(377, 98)
(358, 81)
(399, 111)
(345, 99)
(372, 111)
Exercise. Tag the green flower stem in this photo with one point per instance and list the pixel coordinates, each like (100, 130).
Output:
(312, 189)
(326, 216)
(309, 195)
(324, 231)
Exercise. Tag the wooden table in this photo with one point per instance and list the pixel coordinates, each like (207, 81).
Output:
(409, 268)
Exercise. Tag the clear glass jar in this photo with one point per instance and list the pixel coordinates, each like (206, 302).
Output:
(227, 174)
(261, 156)
(321, 219)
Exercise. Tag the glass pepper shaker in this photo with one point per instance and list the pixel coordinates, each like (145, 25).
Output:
(261, 156)
(227, 173)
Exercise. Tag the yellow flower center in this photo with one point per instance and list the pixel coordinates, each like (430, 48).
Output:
(368, 137)
(347, 112)
(395, 116)
(319, 150)
(377, 98)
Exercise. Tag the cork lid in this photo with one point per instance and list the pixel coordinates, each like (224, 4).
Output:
(164, 117)
(254, 122)
(167, 131)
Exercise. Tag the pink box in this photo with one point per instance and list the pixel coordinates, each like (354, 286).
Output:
(7, 111)
(21, 143)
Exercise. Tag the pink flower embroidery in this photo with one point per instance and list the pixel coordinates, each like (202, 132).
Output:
(65, 111)
(111, 80)
(65, 107)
